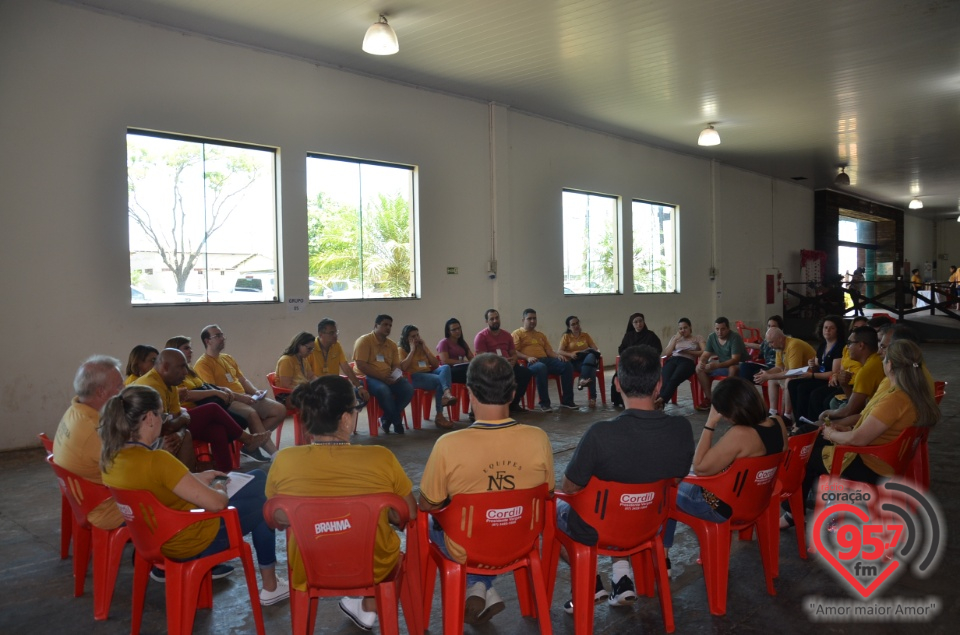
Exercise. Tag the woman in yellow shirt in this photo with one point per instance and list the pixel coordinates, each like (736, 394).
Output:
(129, 427)
(142, 358)
(293, 367)
(583, 353)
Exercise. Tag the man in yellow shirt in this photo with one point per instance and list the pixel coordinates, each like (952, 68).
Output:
(76, 446)
(217, 368)
(328, 358)
(792, 354)
(378, 358)
(863, 344)
(542, 361)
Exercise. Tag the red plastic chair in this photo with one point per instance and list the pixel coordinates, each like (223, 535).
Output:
(898, 454)
(203, 452)
(601, 381)
(790, 479)
(188, 584)
(750, 487)
(340, 561)
(509, 541)
(299, 437)
(920, 467)
(629, 520)
(84, 496)
(66, 514)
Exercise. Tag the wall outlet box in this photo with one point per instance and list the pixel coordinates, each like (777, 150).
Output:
(452, 271)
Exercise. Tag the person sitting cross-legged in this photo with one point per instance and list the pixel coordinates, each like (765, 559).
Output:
(377, 357)
(426, 371)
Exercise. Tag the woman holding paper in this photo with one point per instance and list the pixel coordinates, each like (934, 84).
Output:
(129, 425)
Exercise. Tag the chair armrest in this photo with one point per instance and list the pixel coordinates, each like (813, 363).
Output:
(840, 451)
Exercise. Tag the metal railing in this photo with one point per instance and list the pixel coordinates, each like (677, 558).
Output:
(811, 300)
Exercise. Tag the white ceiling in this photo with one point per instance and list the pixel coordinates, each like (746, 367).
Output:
(797, 87)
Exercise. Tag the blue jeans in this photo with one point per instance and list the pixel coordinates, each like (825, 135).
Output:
(587, 367)
(690, 501)
(436, 537)
(551, 365)
(393, 398)
(437, 381)
(249, 502)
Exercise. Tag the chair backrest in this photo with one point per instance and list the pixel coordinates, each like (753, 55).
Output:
(746, 486)
(624, 515)
(495, 528)
(939, 390)
(799, 449)
(897, 454)
(748, 333)
(83, 495)
(336, 535)
(277, 390)
(48, 442)
(151, 523)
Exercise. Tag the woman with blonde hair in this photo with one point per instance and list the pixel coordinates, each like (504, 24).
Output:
(129, 427)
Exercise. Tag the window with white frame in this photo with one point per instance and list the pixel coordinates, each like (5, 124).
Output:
(361, 229)
(654, 248)
(591, 260)
(202, 220)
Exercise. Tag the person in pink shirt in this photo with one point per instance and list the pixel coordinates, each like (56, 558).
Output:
(494, 340)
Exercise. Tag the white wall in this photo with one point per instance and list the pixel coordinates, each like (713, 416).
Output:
(919, 243)
(947, 241)
(72, 81)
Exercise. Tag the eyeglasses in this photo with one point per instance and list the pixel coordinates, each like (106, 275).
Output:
(217, 336)
(358, 408)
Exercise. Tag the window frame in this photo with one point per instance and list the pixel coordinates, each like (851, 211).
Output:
(201, 267)
(416, 292)
(617, 244)
(675, 221)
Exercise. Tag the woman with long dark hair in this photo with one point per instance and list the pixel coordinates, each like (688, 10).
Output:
(331, 466)
(140, 361)
(129, 425)
(753, 432)
(810, 394)
(682, 352)
(293, 367)
(454, 351)
(426, 371)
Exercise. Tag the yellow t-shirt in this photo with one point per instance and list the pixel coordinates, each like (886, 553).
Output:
(291, 366)
(419, 363)
(850, 365)
(383, 357)
(335, 470)
(486, 457)
(169, 394)
(531, 343)
(158, 471)
(871, 374)
(795, 354)
(192, 382)
(573, 344)
(221, 370)
(329, 364)
(894, 408)
(76, 447)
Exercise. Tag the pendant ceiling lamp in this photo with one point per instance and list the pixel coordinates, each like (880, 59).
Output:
(916, 203)
(843, 178)
(709, 136)
(380, 39)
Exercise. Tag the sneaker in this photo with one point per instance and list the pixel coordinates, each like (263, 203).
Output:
(569, 406)
(282, 592)
(258, 454)
(158, 575)
(598, 596)
(475, 604)
(492, 606)
(704, 406)
(601, 592)
(623, 593)
(221, 571)
(353, 607)
(543, 408)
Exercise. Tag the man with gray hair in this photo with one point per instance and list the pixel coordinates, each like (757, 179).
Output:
(76, 446)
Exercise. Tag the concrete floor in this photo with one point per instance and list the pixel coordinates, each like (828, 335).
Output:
(36, 587)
